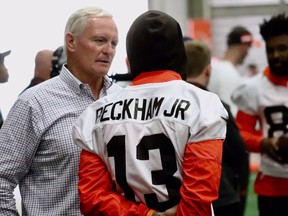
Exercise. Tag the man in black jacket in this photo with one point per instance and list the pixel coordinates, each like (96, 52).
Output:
(198, 73)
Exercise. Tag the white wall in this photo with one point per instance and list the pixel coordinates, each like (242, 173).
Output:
(220, 3)
(31, 25)
(177, 9)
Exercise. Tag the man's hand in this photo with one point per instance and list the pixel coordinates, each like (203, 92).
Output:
(282, 144)
(169, 212)
(276, 148)
(270, 148)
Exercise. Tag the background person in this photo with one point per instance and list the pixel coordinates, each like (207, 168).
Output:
(43, 66)
(158, 142)
(198, 74)
(263, 101)
(58, 59)
(37, 150)
(225, 78)
(4, 75)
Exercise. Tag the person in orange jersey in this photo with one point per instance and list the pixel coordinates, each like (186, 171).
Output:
(154, 147)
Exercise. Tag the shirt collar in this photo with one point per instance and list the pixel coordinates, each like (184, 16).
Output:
(75, 83)
(156, 77)
(276, 80)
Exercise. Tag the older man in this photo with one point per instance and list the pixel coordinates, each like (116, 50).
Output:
(37, 150)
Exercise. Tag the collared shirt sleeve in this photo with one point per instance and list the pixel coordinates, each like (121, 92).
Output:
(201, 177)
(18, 140)
(96, 189)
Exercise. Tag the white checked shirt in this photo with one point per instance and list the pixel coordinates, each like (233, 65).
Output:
(37, 150)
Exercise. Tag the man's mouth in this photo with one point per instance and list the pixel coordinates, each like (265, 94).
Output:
(277, 63)
(104, 61)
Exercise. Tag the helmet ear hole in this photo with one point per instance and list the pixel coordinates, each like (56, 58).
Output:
(58, 59)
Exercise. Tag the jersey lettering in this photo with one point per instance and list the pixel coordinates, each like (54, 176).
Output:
(177, 108)
(116, 149)
(276, 124)
(142, 109)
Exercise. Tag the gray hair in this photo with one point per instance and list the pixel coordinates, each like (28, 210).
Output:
(77, 21)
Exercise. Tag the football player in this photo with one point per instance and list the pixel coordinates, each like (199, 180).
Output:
(155, 147)
(263, 101)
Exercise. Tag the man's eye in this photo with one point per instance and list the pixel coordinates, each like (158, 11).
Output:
(114, 44)
(270, 50)
(99, 40)
(283, 48)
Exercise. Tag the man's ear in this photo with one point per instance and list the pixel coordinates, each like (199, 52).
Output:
(128, 65)
(207, 71)
(69, 39)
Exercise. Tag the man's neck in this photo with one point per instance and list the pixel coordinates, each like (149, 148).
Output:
(232, 55)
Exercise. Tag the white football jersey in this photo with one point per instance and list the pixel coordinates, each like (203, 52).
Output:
(141, 133)
(259, 97)
(224, 80)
